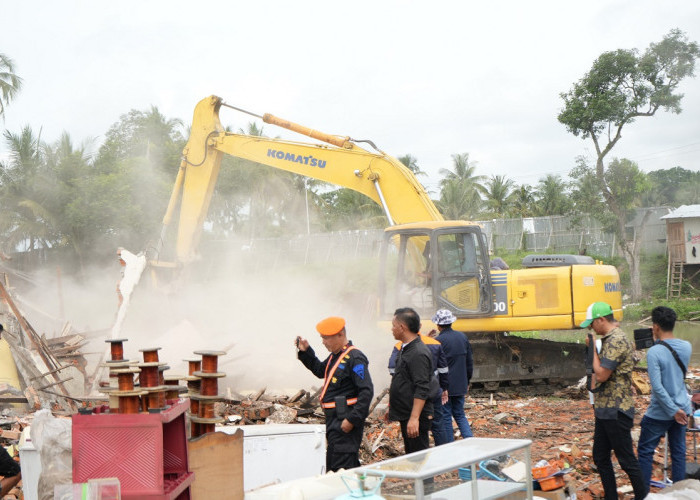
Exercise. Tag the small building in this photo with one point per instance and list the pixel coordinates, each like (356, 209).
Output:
(683, 238)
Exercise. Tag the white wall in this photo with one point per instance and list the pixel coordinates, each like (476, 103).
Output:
(691, 229)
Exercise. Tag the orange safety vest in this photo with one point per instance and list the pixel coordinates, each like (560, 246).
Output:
(329, 376)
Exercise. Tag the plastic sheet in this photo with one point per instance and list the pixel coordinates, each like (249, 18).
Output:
(52, 438)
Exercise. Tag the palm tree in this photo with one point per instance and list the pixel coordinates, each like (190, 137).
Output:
(463, 172)
(522, 201)
(460, 189)
(159, 133)
(458, 201)
(552, 197)
(498, 191)
(411, 162)
(26, 189)
(10, 83)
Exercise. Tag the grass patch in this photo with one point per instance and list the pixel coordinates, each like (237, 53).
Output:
(574, 336)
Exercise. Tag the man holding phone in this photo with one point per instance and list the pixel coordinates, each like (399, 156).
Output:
(613, 406)
(347, 391)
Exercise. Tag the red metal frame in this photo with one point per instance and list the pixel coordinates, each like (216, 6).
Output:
(146, 452)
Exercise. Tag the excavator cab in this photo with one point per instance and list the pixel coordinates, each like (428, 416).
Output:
(436, 265)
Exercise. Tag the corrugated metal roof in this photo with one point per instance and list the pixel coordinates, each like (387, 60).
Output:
(684, 212)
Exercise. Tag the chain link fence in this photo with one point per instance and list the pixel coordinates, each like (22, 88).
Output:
(552, 234)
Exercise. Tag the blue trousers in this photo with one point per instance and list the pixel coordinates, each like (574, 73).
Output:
(454, 408)
(437, 427)
(652, 431)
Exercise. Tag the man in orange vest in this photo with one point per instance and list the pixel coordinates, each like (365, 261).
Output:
(347, 391)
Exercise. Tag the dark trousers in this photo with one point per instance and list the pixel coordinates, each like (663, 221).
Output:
(422, 441)
(614, 435)
(343, 447)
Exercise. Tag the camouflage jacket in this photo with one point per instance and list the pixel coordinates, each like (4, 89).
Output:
(615, 394)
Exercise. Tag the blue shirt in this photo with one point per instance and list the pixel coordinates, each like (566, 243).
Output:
(668, 392)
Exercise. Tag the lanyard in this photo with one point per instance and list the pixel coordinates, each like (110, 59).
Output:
(329, 376)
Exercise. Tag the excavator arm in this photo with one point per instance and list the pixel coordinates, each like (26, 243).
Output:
(430, 263)
(340, 161)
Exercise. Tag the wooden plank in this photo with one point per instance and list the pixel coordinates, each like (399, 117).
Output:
(217, 462)
(13, 399)
(48, 360)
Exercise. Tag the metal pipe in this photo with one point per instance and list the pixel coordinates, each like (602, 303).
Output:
(341, 142)
(381, 198)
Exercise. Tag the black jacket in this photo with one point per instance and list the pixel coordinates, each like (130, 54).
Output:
(411, 381)
(458, 352)
(351, 380)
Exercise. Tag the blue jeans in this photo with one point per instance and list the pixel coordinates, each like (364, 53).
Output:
(455, 408)
(652, 431)
(437, 427)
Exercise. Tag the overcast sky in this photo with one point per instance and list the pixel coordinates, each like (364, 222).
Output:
(427, 78)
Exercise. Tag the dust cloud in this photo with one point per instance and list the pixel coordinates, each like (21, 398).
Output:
(254, 316)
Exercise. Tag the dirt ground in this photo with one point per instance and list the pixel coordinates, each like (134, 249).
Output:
(560, 427)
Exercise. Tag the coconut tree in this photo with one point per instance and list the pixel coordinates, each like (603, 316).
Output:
(497, 192)
(10, 83)
(522, 201)
(26, 189)
(551, 196)
(411, 162)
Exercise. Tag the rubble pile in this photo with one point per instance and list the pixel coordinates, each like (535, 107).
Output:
(560, 426)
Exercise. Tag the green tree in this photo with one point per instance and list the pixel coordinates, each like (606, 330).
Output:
(461, 189)
(348, 209)
(586, 196)
(26, 190)
(674, 186)
(620, 87)
(91, 207)
(498, 191)
(411, 162)
(522, 202)
(458, 201)
(463, 171)
(551, 196)
(147, 134)
(141, 154)
(10, 83)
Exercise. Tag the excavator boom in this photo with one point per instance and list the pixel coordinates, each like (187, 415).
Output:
(380, 177)
(426, 262)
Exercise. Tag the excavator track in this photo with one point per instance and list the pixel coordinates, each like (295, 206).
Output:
(506, 363)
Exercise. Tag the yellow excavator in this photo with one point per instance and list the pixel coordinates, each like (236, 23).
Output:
(426, 262)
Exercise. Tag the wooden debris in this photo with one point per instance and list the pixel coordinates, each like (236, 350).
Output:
(297, 396)
(281, 415)
(258, 394)
(378, 400)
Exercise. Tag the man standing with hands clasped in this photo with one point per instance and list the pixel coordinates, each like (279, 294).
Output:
(613, 406)
(667, 363)
(346, 395)
(409, 392)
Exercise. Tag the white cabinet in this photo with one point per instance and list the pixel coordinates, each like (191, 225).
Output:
(280, 452)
